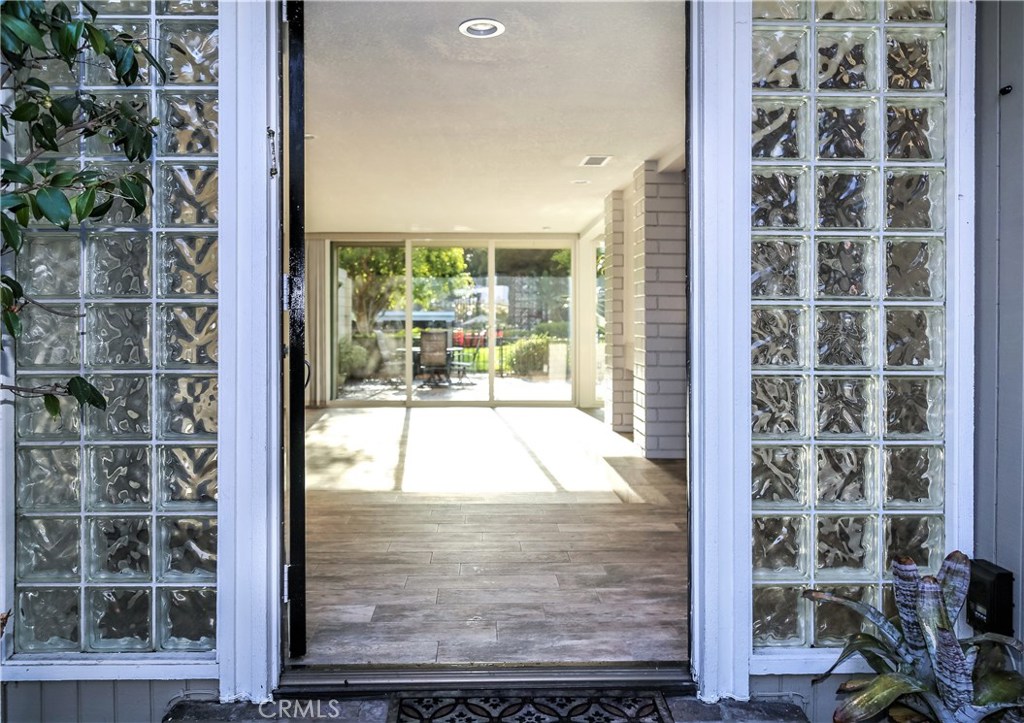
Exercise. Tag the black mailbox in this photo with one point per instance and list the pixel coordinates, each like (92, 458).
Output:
(990, 598)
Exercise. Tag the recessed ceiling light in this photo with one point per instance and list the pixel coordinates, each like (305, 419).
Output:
(580, 182)
(481, 28)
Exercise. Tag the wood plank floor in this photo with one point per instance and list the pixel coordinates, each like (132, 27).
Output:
(456, 536)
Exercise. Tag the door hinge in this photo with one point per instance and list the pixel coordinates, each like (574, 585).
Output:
(272, 140)
(286, 588)
(286, 292)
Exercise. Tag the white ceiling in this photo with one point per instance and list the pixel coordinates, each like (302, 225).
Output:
(421, 129)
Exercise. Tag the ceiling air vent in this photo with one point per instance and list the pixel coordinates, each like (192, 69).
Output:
(595, 161)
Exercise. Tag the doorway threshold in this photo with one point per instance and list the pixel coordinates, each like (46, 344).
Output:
(323, 680)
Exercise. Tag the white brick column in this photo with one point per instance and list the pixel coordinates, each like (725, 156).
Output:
(617, 304)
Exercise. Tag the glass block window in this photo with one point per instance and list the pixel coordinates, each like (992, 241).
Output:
(848, 323)
(116, 511)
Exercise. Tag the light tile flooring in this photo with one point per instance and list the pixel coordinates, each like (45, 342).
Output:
(470, 535)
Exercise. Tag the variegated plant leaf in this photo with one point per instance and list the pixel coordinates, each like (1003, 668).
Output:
(854, 684)
(954, 577)
(905, 583)
(1000, 686)
(952, 675)
(1004, 640)
(881, 657)
(872, 700)
(888, 631)
(902, 714)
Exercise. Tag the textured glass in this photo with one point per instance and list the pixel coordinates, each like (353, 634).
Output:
(118, 265)
(119, 477)
(780, 59)
(913, 268)
(128, 413)
(48, 264)
(188, 336)
(780, 546)
(777, 129)
(188, 477)
(914, 477)
(120, 548)
(188, 265)
(119, 337)
(913, 407)
(777, 406)
(843, 337)
(846, 130)
(188, 194)
(188, 406)
(46, 548)
(914, 132)
(779, 476)
(47, 619)
(102, 144)
(187, 619)
(846, 60)
(844, 546)
(48, 478)
(913, 199)
(33, 422)
(776, 269)
(775, 199)
(101, 73)
(121, 7)
(777, 337)
(49, 339)
(843, 406)
(187, 7)
(844, 10)
(780, 9)
(913, 337)
(188, 548)
(119, 619)
(919, 10)
(845, 268)
(778, 615)
(833, 623)
(914, 59)
(190, 124)
(919, 538)
(190, 51)
(845, 199)
(845, 476)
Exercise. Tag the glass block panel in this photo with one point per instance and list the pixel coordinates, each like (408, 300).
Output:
(56, 74)
(777, 406)
(190, 124)
(845, 547)
(49, 339)
(780, 59)
(919, 537)
(845, 10)
(779, 614)
(128, 412)
(187, 619)
(48, 478)
(914, 477)
(188, 548)
(846, 199)
(847, 129)
(120, 336)
(780, 9)
(187, 7)
(913, 407)
(779, 476)
(99, 70)
(914, 268)
(188, 265)
(776, 199)
(915, 59)
(121, 7)
(914, 131)
(188, 194)
(843, 337)
(102, 144)
(777, 337)
(120, 213)
(914, 199)
(913, 337)
(780, 546)
(118, 620)
(119, 477)
(844, 406)
(47, 620)
(190, 51)
(46, 549)
(833, 623)
(118, 265)
(845, 476)
(120, 549)
(776, 270)
(188, 335)
(188, 477)
(48, 265)
(35, 423)
(188, 406)
(845, 268)
(777, 129)
(915, 10)
(846, 60)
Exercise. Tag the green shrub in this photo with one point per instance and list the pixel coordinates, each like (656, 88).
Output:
(554, 329)
(527, 356)
(352, 358)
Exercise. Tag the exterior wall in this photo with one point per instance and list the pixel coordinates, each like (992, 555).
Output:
(999, 431)
(616, 303)
(70, 701)
(818, 700)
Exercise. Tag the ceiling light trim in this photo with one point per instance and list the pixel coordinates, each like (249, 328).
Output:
(481, 28)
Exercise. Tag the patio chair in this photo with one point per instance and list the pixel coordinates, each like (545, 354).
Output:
(392, 364)
(434, 357)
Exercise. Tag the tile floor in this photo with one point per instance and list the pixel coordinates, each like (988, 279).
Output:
(516, 535)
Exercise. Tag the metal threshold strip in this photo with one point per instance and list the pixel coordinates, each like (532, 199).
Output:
(319, 681)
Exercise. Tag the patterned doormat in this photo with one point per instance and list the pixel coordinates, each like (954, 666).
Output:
(547, 708)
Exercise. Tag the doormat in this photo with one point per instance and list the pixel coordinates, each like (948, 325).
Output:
(547, 708)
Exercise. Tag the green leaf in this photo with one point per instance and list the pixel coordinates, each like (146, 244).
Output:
(37, 84)
(1001, 686)
(875, 698)
(25, 32)
(97, 38)
(133, 194)
(866, 644)
(45, 168)
(954, 577)
(11, 232)
(63, 109)
(86, 393)
(84, 203)
(62, 179)
(55, 206)
(13, 285)
(17, 173)
(12, 322)
(26, 111)
(6, 298)
(1004, 640)
(101, 210)
(91, 10)
(154, 63)
(124, 57)
(52, 405)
